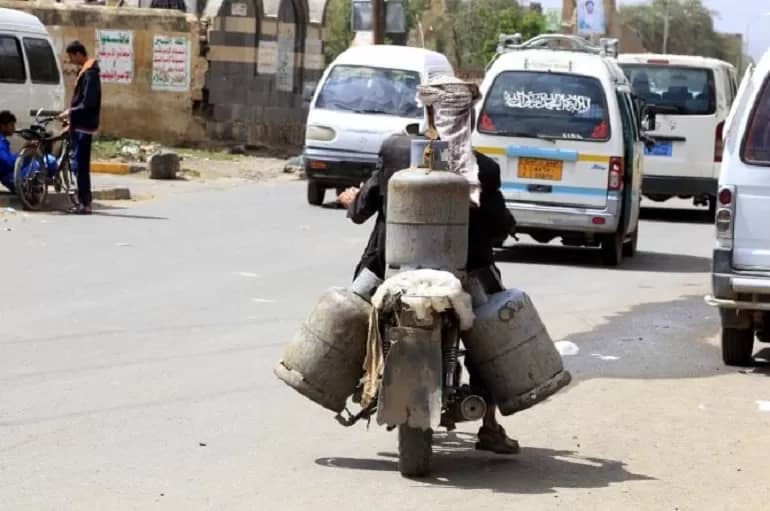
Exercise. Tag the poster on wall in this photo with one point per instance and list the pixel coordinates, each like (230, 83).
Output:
(590, 17)
(284, 73)
(115, 53)
(170, 63)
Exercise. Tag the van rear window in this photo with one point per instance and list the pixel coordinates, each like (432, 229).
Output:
(756, 144)
(11, 61)
(42, 63)
(557, 106)
(676, 90)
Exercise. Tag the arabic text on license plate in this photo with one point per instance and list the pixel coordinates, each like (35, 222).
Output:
(536, 168)
(661, 148)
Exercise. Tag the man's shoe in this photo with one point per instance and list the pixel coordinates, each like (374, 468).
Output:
(80, 210)
(496, 441)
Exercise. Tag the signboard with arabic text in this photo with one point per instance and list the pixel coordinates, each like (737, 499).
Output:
(115, 53)
(170, 63)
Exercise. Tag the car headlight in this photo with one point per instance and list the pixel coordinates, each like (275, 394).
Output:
(321, 133)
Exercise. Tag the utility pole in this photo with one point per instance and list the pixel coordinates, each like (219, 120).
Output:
(666, 22)
(378, 21)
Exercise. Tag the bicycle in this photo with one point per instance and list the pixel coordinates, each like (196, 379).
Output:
(38, 166)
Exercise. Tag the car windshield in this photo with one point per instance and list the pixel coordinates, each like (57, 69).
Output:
(371, 90)
(674, 90)
(546, 105)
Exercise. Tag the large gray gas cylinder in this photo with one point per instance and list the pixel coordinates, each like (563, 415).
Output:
(513, 353)
(324, 360)
(427, 217)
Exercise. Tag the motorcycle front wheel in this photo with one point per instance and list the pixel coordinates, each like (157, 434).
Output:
(415, 448)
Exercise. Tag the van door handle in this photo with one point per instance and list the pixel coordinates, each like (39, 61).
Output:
(539, 188)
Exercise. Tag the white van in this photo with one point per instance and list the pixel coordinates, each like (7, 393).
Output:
(563, 127)
(365, 95)
(30, 73)
(692, 97)
(741, 267)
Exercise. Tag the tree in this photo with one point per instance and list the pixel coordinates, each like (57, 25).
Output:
(691, 29)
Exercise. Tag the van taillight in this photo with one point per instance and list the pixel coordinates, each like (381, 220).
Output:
(719, 144)
(486, 124)
(725, 217)
(615, 182)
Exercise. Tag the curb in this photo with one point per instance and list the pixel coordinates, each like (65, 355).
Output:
(57, 201)
(110, 167)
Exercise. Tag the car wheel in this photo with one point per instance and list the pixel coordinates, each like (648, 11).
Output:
(612, 250)
(737, 346)
(629, 247)
(315, 193)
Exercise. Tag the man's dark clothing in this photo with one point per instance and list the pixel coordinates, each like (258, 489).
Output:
(80, 160)
(85, 111)
(489, 223)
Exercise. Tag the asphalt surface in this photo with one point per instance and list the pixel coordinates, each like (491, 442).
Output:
(136, 350)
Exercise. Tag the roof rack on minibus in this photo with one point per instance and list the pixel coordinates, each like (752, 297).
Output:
(608, 47)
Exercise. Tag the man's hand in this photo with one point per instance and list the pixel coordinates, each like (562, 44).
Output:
(64, 115)
(346, 198)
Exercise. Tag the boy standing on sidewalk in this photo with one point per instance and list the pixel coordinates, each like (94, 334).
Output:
(83, 115)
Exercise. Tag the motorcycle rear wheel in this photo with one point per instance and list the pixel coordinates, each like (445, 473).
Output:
(415, 448)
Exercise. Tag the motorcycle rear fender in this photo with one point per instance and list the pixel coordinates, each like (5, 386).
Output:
(410, 392)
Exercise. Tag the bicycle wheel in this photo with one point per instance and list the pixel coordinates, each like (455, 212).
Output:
(30, 179)
(67, 177)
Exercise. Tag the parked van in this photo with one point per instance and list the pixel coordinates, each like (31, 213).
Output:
(741, 267)
(564, 128)
(365, 95)
(692, 97)
(30, 73)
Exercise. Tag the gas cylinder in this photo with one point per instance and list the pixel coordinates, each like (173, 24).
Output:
(513, 353)
(427, 215)
(324, 360)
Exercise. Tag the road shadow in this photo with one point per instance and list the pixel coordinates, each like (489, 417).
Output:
(672, 215)
(667, 340)
(456, 464)
(656, 262)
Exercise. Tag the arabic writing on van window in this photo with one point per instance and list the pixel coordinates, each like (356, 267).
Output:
(683, 90)
(572, 103)
(364, 89)
(115, 53)
(547, 105)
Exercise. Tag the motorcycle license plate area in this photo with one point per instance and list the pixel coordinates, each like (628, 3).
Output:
(536, 168)
(664, 148)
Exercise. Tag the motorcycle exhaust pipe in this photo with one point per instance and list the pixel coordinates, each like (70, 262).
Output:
(473, 408)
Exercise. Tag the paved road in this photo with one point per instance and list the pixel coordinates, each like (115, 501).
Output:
(137, 345)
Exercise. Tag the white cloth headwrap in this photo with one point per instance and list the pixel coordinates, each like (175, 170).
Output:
(452, 100)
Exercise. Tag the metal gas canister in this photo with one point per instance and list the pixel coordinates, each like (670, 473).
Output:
(427, 214)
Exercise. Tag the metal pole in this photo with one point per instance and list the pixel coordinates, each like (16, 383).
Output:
(378, 21)
(666, 23)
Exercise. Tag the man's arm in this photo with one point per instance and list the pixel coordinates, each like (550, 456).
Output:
(90, 97)
(364, 203)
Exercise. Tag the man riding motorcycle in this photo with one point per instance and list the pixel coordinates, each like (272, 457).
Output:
(490, 223)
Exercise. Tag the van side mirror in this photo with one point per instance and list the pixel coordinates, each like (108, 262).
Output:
(412, 128)
(649, 121)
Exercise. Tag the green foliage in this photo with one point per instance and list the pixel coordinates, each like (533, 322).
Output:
(691, 29)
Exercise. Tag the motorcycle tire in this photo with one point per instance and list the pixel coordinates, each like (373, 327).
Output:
(414, 451)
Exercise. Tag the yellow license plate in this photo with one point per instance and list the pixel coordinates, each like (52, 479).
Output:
(536, 168)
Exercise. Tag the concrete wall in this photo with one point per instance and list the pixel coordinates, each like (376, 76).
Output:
(250, 63)
(133, 109)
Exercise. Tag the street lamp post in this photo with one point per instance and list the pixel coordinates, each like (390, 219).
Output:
(666, 23)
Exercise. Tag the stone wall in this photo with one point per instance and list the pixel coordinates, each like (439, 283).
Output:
(134, 108)
(262, 58)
